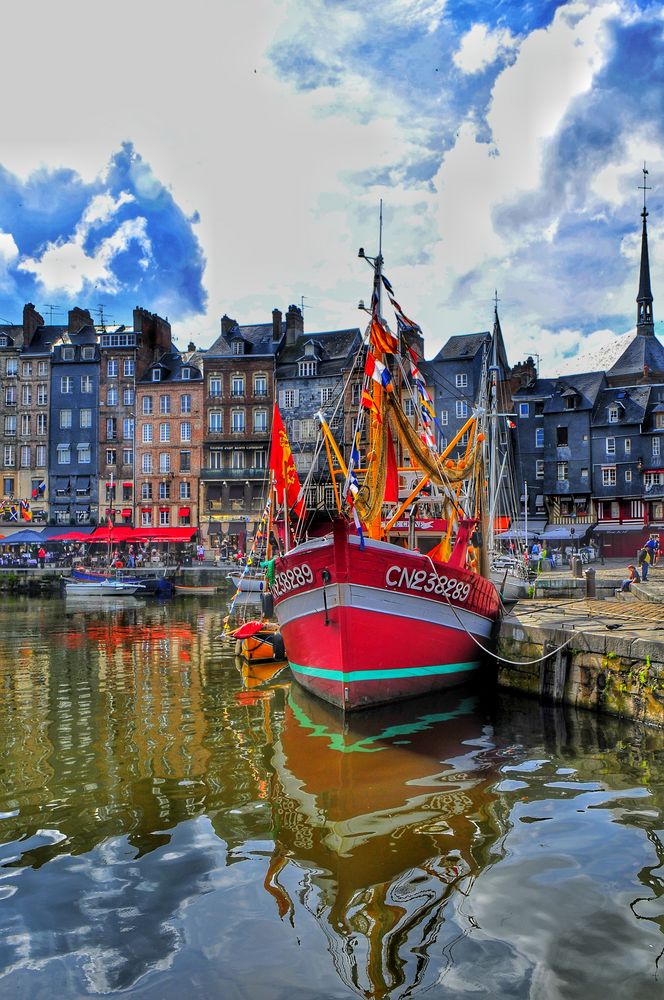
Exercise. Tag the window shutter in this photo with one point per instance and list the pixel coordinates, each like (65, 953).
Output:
(296, 397)
(282, 398)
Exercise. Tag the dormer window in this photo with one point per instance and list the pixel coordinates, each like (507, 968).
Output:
(88, 353)
(68, 353)
(309, 349)
(186, 373)
(614, 414)
(307, 368)
(237, 347)
(4, 341)
(156, 374)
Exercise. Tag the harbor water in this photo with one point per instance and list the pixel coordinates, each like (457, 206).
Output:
(172, 823)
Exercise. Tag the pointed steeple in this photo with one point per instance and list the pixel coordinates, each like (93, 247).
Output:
(645, 326)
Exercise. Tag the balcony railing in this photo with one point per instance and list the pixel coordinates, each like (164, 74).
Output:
(232, 474)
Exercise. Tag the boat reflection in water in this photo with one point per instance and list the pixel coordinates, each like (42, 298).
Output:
(381, 821)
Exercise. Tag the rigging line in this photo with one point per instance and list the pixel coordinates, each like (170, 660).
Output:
(491, 652)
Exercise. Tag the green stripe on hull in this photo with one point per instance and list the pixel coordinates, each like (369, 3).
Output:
(378, 675)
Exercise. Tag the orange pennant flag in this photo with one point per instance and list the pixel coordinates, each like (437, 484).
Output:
(283, 467)
(381, 338)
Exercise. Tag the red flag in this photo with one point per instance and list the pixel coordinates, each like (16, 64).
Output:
(392, 477)
(369, 403)
(282, 465)
(381, 338)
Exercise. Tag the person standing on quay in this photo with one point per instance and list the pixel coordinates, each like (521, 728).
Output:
(41, 556)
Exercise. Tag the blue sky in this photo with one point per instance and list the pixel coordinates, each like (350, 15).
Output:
(231, 157)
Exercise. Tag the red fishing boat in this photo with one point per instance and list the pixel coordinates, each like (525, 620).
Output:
(366, 621)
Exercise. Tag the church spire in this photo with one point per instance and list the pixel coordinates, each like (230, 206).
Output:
(645, 325)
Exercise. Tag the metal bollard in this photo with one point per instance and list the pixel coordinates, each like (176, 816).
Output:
(591, 582)
(576, 564)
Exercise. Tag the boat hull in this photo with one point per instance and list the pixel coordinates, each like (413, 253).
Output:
(368, 625)
(248, 584)
(81, 588)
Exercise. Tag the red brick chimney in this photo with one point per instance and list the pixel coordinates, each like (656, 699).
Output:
(31, 320)
(294, 324)
(77, 319)
(276, 324)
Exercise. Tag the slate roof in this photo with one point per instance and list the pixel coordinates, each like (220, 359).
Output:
(44, 338)
(171, 364)
(633, 402)
(541, 388)
(641, 351)
(257, 337)
(587, 385)
(336, 347)
(463, 347)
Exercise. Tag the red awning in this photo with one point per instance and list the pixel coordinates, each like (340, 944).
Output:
(129, 485)
(69, 536)
(184, 512)
(165, 509)
(127, 512)
(148, 534)
(114, 533)
(146, 510)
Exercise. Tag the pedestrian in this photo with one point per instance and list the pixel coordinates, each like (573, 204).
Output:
(643, 561)
(651, 545)
(632, 578)
(41, 556)
(200, 552)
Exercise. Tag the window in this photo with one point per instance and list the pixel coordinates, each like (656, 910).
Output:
(147, 405)
(539, 437)
(306, 369)
(185, 461)
(146, 434)
(659, 421)
(64, 454)
(25, 424)
(214, 386)
(237, 421)
(128, 368)
(42, 395)
(444, 418)
(571, 402)
(128, 397)
(609, 477)
(127, 456)
(216, 460)
(25, 456)
(9, 456)
(164, 462)
(88, 353)
(84, 455)
(10, 426)
(27, 369)
(10, 395)
(539, 408)
(289, 397)
(40, 456)
(260, 388)
(112, 396)
(68, 353)
(128, 429)
(86, 383)
(146, 518)
(112, 368)
(355, 393)
(146, 491)
(164, 432)
(563, 471)
(237, 347)
(111, 429)
(539, 468)
(237, 460)
(66, 384)
(610, 446)
(628, 475)
(164, 491)
(65, 419)
(111, 456)
(237, 385)
(26, 395)
(185, 491)
(628, 446)
(215, 423)
(165, 405)
(461, 381)
(561, 437)
(185, 431)
(186, 374)
(146, 464)
(8, 486)
(461, 408)
(260, 421)
(156, 375)
(259, 460)
(409, 407)
(524, 409)
(584, 473)
(12, 366)
(185, 403)
(655, 447)
(42, 368)
(614, 415)
(164, 518)
(42, 423)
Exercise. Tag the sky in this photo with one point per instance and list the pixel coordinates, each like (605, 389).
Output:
(230, 157)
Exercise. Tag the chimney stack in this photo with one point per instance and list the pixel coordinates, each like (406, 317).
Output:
(276, 325)
(31, 320)
(294, 325)
(77, 319)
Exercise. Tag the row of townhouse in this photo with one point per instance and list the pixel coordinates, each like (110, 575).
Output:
(589, 447)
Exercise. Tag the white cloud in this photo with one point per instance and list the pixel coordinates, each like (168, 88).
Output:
(480, 47)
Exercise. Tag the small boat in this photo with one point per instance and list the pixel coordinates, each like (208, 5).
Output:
(182, 589)
(101, 588)
(152, 584)
(248, 583)
(259, 642)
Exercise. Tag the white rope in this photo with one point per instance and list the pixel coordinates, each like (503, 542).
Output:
(491, 652)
